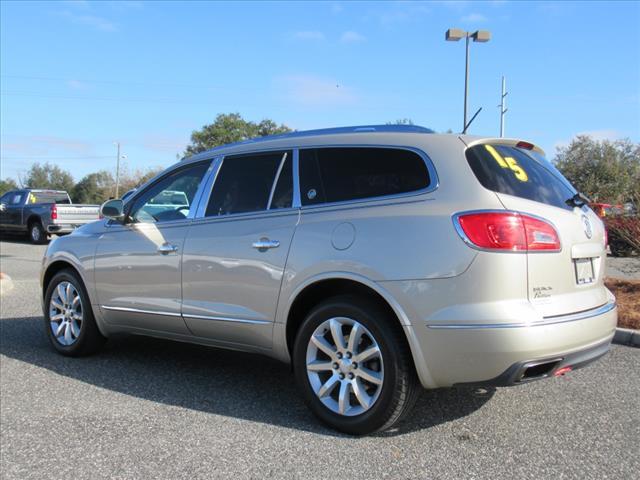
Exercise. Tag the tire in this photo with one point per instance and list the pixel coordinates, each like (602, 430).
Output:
(388, 401)
(37, 235)
(75, 335)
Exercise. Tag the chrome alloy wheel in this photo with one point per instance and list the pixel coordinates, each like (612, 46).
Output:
(65, 313)
(344, 366)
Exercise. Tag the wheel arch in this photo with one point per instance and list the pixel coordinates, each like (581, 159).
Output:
(317, 288)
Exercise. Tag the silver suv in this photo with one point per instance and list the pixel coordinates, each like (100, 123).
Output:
(374, 259)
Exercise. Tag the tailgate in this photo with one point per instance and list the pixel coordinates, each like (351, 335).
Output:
(77, 214)
(560, 281)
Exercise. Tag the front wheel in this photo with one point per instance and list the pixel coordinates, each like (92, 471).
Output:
(68, 318)
(354, 366)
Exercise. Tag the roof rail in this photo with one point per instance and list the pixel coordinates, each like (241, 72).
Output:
(330, 131)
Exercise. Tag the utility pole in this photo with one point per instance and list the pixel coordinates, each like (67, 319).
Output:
(118, 171)
(503, 105)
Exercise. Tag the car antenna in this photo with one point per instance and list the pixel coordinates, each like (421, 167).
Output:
(472, 119)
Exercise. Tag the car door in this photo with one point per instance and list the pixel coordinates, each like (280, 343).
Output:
(236, 250)
(137, 263)
(11, 214)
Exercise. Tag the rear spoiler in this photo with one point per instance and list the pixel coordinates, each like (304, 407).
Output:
(511, 142)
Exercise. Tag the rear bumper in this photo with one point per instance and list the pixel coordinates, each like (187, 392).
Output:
(531, 370)
(61, 228)
(501, 354)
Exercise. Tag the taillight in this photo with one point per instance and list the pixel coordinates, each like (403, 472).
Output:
(507, 231)
(54, 212)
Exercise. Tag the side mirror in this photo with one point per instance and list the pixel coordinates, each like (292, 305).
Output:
(113, 209)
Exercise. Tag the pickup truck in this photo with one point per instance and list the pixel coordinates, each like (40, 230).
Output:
(41, 213)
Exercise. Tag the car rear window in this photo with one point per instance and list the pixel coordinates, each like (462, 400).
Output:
(48, 197)
(521, 173)
(343, 174)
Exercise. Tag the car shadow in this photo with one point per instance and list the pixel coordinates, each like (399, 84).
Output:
(15, 238)
(220, 382)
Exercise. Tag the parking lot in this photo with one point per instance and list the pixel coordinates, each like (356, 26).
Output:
(146, 408)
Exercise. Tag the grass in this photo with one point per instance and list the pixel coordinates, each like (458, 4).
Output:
(627, 294)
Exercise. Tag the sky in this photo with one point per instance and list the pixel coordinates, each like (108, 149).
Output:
(78, 76)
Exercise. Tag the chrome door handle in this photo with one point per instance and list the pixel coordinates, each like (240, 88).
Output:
(264, 244)
(167, 248)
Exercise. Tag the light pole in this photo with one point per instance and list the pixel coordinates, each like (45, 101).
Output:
(118, 168)
(455, 34)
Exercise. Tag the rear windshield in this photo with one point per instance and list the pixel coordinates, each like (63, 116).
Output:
(48, 197)
(521, 173)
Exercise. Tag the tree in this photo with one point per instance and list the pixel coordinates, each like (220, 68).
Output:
(130, 180)
(605, 171)
(230, 128)
(48, 176)
(94, 188)
(7, 185)
(401, 121)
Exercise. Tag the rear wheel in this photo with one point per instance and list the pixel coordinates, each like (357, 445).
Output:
(68, 318)
(37, 235)
(354, 366)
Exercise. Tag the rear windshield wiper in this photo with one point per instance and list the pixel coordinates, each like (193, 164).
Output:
(578, 200)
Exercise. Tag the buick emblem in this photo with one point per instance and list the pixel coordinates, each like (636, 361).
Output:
(588, 229)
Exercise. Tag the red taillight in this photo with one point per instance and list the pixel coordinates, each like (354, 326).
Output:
(508, 231)
(54, 212)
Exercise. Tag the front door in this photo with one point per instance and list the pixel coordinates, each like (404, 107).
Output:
(137, 264)
(235, 255)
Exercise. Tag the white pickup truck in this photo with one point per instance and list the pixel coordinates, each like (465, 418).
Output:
(40, 213)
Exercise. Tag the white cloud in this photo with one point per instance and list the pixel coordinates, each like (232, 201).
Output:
(474, 18)
(309, 35)
(77, 85)
(352, 37)
(336, 7)
(99, 23)
(311, 90)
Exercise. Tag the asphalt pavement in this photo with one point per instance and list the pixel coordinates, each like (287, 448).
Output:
(146, 408)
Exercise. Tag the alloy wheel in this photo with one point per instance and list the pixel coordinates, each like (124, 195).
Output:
(65, 313)
(344, 366)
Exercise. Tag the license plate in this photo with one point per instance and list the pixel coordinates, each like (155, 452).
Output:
(584, 270)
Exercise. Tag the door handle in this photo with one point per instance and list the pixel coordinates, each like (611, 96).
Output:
(264, 244)
(167, 248)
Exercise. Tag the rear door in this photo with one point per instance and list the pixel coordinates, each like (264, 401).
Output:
(559, 282)
(235, 252)
(13, 211)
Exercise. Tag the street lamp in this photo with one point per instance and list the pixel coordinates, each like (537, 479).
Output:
(118, 157)
(455, 34)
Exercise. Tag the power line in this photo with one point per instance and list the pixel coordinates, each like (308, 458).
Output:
(111, 82)
(90, 157)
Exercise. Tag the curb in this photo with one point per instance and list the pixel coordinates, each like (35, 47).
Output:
(6, 283)
(626, 336)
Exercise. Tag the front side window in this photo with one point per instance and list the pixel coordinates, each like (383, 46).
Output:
(171, 198)
(245, 183)
(17, 198)
(343, 174)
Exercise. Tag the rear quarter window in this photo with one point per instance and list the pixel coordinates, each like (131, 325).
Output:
(518, 172)
(352, 173)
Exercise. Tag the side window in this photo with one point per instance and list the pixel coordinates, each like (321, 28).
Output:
(171, 198)
(244, 184)
(342, 174)
(17, 198)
